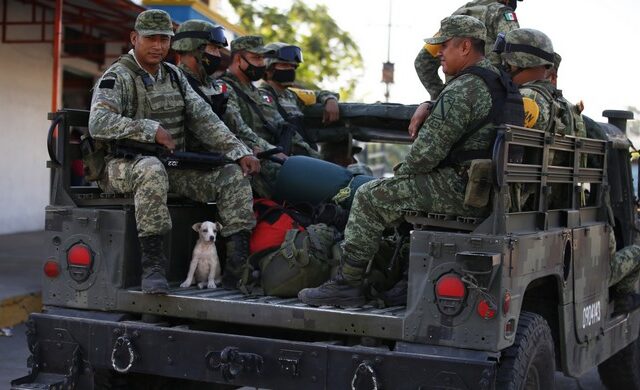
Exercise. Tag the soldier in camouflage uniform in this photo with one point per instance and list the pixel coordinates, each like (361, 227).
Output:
(497, 15)
(141, 98)
(256, 109)
(420, 182)
(278, 83)
(198, 45)
(529, 55)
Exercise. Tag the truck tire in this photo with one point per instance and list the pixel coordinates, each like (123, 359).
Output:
(622, 370)
(530, 362)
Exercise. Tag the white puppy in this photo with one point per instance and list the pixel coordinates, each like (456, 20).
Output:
(205, 264)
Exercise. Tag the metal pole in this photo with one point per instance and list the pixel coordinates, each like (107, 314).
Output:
(57, 43)
(386, 93)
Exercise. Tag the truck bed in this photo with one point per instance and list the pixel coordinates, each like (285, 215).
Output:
(232, 306)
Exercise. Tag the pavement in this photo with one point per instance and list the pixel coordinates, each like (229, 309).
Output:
(21, 260)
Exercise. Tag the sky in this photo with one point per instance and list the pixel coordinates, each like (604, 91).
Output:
(598, 40)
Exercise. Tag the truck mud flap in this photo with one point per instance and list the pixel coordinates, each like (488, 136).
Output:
(178, 352)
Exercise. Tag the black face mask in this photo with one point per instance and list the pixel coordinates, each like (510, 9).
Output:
(210, 63)
(284, 75)
(254, 73)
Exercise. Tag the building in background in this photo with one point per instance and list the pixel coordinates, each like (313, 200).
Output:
(41, 74)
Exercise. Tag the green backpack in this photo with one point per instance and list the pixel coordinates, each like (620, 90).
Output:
(303, 260)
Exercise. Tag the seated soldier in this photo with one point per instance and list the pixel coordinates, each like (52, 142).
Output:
(431, 179)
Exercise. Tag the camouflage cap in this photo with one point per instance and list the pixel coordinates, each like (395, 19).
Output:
(154, 22)
(459, 26)
(252, 43)
(528, 48)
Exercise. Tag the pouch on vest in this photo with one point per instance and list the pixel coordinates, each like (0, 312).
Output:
(478, 190)
(93, 154)
(303, 260)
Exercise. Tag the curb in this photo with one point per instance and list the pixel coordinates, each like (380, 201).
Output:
(15, 310)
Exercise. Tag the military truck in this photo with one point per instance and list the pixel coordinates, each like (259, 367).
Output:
(499, 302)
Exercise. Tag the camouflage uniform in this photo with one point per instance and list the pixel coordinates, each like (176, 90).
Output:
(420, 183)
(239, 111)
(122, 107)
(496, 16)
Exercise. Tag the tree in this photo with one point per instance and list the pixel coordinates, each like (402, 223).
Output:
(329, 52)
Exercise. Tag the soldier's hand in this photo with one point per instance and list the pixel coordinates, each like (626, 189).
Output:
(256, 150)
(331, 111)
(281, 156)
(164, 138)
(249, 165)
(418, 118)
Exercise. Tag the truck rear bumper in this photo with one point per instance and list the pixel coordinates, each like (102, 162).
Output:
(100, 342)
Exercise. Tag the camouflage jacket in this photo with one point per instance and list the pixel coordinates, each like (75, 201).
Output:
(289, 102)
(548, 110)
(231, 117)
(465, 102)
(122, 107)
(496, 16)
(267, 106)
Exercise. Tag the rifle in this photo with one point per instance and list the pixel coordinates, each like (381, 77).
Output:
(203, 161)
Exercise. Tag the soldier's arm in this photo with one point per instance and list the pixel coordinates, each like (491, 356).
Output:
(113, 94)
(427, 66)
(300, 142)
(503, 20)
(451, 117)
(233, 119)
(207, 127)
(538, 111)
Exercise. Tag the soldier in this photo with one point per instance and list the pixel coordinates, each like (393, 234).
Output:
(142, 98)
(431, 178)
(497, 15)
(279, 80)
(198, 44)
(257, 110)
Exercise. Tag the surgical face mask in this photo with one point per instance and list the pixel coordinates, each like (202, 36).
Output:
(210, 62)
(284, 75)
(254, 73)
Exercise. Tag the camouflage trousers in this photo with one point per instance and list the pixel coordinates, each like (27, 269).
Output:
(625, 266)
(380, 204)
(149, 182)
(264, 183)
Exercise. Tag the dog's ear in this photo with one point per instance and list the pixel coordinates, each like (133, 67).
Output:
(196, 226)
(219, 226)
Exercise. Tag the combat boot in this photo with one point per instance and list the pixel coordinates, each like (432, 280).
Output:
(343, 290)
(154, 280)
(237, 254)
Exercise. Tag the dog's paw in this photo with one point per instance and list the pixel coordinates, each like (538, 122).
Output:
(202, 285)
(185, 284)
(212, 284)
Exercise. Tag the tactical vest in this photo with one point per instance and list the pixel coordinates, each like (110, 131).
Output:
(290, 111)
(161, 100)
(564, 117)
(216, 95)
(506, 108)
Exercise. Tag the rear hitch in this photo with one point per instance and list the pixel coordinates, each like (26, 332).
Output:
(231, 362)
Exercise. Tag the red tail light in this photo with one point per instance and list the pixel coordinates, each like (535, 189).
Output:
(79, 261)
(486, 310)
(450, 294)
(51, 269)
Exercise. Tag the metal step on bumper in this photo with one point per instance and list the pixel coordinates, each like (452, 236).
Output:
(179, 352)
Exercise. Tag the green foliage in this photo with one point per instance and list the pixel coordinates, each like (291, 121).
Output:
(329, 52)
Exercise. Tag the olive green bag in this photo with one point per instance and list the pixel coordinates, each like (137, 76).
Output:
(478, 190)
(303, 260)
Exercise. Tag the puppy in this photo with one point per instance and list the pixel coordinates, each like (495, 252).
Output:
(205, 264)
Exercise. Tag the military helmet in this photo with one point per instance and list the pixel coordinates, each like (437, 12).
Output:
(280, 52)
(195, 33)
(527, 48)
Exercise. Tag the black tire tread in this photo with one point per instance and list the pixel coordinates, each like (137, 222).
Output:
(532, 330)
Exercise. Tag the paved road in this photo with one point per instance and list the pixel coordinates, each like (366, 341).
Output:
(14, 353)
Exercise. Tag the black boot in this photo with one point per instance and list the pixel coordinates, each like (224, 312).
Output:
(237, 254)
(153, 261)
(341, 291)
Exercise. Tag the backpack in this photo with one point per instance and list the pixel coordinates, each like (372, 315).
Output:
(273, 221)
(303, 260)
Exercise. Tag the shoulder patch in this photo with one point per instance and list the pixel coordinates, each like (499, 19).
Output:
(510, 16)
(107, 83)
(266, 98)
(531, 112)
(442, 107)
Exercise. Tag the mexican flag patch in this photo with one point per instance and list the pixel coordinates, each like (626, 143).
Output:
(510, 17)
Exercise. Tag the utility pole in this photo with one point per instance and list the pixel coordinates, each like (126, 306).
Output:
(388, 67)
